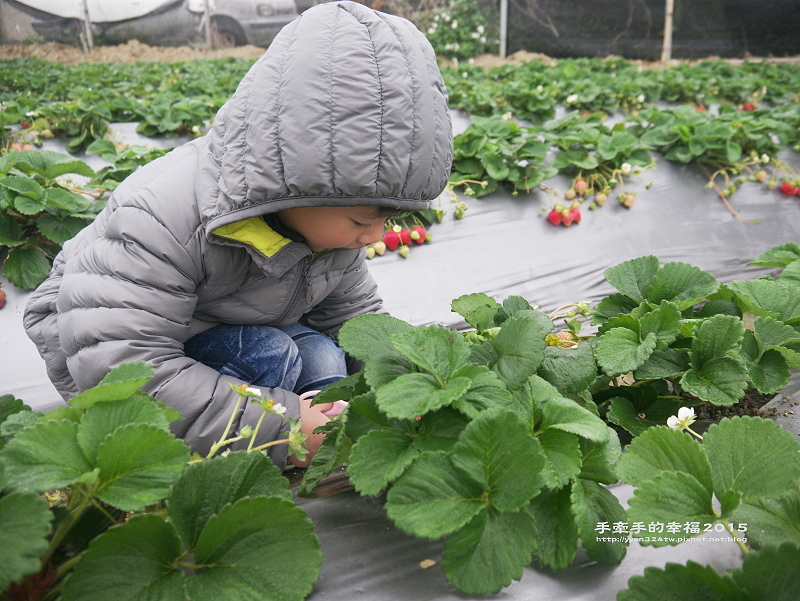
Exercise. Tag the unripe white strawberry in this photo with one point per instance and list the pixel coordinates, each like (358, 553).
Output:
(404, 250)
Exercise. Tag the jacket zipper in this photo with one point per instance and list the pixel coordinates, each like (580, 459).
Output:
(296, 291)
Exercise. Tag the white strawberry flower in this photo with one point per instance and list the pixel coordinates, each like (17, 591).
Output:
(765, 158)
(572, 99)
(626, 168)
(640, 98)
(522, 163)
(683, 420)
(431, 30)
(278, 408)
(454, 24)
(481, 29)
(253, 391)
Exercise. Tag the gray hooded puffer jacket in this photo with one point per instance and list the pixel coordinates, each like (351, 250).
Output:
(346, 108)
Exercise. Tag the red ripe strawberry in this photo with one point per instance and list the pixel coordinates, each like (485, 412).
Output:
(554, 217)
(405, 236)
(576, 215)
(789, 189)
(749, 106)
(701, 109)
(566, 220)
(2, 299)
(391, 239)
(418, 234)
(25, 125)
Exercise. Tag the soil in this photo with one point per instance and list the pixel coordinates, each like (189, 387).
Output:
(134, 51)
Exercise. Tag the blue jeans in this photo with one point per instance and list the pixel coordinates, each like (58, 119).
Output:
(293, 357)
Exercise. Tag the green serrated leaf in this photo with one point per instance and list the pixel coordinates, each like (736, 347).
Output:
(661, 450)
(520, 345)
(742, 452)
(593, 504)
(675, 582)
(563, 453)
(138, 465)
(25, 523)
(636, 419)
(415, 394)
(664, 363)
(486, 391)
(721, 381)
(770, 373)
(489, 552)
(777, 299)
(118, 384)
(778, 256)
(102, 419)
(44, 456)
(556, 542)
(477, 309)
(26, 267)
(612, 306)
(147, 546)
(632, 278)
(599, 459)
(620, 350)
(682, 284)
(431, 499)
(667, 502)
(771, 574)
(664, 322)
(569, 370)
(204, 488)
(771, 521)
(568, 416)
(434, 349)
(243, 551)
(10, 232)
(59, 229)
(716, 337)
(365, 337)
(378, 459)
(498, 450)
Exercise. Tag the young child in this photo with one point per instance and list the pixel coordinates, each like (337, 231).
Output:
(237, 257)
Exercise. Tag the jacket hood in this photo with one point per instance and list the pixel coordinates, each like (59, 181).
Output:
(347, 107)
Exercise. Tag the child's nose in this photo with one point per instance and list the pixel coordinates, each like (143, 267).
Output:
(373, 234)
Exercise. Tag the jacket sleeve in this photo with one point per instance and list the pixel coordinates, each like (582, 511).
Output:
(129, 295)
(355, 294)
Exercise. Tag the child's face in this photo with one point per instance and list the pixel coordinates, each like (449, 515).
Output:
(335, 227)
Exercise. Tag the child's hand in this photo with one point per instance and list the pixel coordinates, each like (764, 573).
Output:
(312, 417)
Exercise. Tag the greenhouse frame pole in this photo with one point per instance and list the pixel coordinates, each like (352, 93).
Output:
(503, 27)
(88, 39)
(209, 38)
(666, 50)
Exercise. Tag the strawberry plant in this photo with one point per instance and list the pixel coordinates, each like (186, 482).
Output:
(39, 211)
(124, 160)
(742, 481)
(103, 483)
(475, 441)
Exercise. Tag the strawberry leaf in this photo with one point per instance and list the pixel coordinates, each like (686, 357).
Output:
(664, 322)
(598, 459)
(663, 363)
(416, 394)
(633, 277)
(620, 350)
(771, 574)
(520, 348)
(243, 551)
(489, 552)
(563, 453)
(26, 267)
(59, 228)
(498, 451)
(365, 337)
(119, 383)
(557, 534)
(379, 458)
(147, 546)
(433, 349)
(691, 582)
(663, 450)
(771, 298)
(204, 488)
(778, 256)
(716, 337)
(431, 499)
(569, 370)
(25, 524)
(721, 381)
(771, 521)
(44, 456)
(138, 464)
(671, 500)
(592, 504)
(477, 309)
(741, 452)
